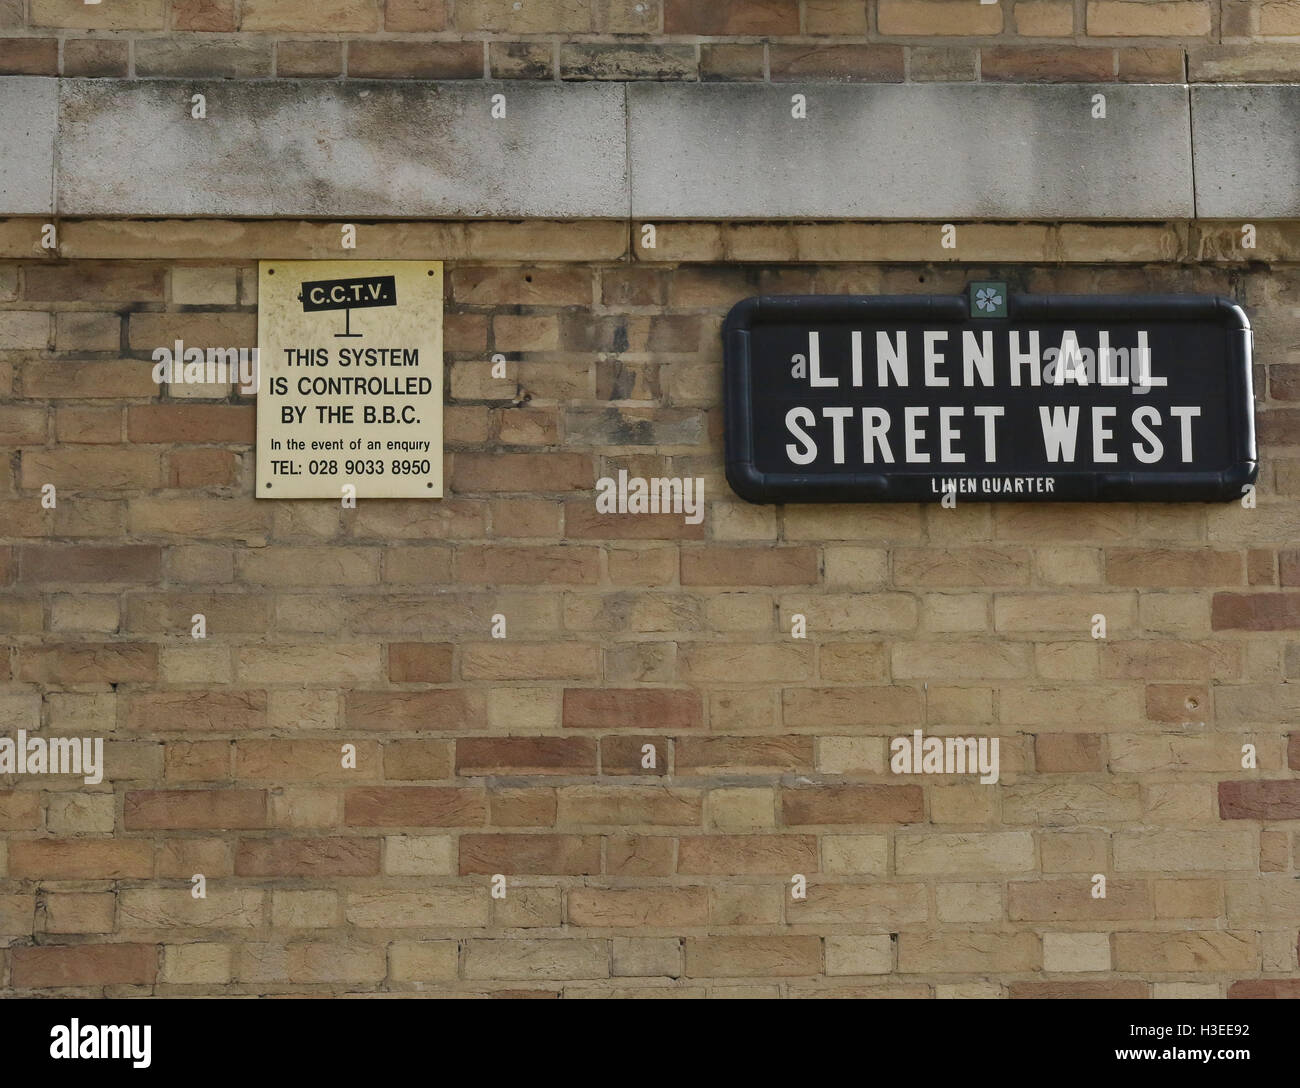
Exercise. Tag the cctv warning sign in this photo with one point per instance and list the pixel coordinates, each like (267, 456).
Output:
(349, 379)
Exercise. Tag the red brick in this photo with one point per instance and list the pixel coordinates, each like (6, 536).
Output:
(1067, 752)
(414, 806)
(731, 17)
(1261, 567)
(746, 855)
(623, 755)
(419, 662)
(1177, 702)
(525, 755)
(89, 563)
(852, 805)
(192, 423)
(530, 855)
(1256, 611)
(1255, 799)
(1256, 988)
(445, 708)
(631, 708)
(83, 965)
(224, 809)
(89, 663)
(741, 755)
(315, 857)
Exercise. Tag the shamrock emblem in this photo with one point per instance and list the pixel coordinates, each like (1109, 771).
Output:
(987, 298)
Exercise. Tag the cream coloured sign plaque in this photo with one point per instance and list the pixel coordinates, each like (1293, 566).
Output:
(349, 379)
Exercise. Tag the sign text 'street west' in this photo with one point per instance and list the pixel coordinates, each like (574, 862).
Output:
(863, 399)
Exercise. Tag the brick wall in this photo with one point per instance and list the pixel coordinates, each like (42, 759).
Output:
(477, 756)
(870, 40)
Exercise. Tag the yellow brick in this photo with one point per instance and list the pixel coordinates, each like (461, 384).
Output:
(953, 953)
(175, 908)
(944, 17)
(867, 955)
(926, 852)
(204, 286)
(422, 961)
(866, 854)
(1044, 18)
(1144, 19)
(304, 909)
(328, 16)
(851, 755)
(309, 664)
(127, 15)
(1167, 851)
(77, 813)
(837, 613)
(1280, 18)
(1076, 952)
(418, 855)
(848, 566)
(79, 913)
(742, 809)
(1064, 612)
(968, 902)
(963, 805)
(191, 964)
(1209, 950)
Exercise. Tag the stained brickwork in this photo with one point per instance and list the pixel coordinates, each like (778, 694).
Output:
(524, 756)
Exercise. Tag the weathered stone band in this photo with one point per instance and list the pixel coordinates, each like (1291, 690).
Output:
(391, 149)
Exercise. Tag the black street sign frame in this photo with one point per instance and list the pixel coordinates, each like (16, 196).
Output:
(940, 311)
